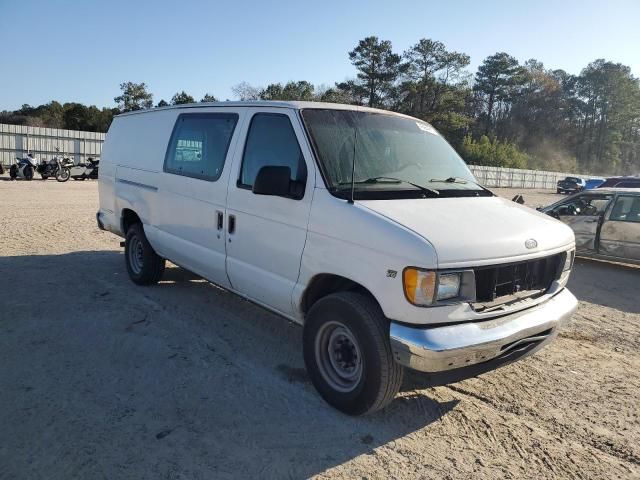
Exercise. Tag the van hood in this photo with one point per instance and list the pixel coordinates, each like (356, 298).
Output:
(467, 231)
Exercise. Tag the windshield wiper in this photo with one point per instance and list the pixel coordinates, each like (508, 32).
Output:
(383, 179)
(449, 180)
(459, 180)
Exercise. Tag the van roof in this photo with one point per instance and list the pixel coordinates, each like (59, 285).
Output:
(295, 105)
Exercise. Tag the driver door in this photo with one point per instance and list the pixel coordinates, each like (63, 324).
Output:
(583, 213)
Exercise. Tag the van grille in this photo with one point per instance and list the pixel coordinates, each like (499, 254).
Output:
(500, 284)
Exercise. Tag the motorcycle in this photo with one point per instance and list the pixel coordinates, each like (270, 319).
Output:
(57, 167)
(22, 169)
(83, 171)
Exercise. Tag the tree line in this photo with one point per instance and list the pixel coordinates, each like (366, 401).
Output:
(506, 114)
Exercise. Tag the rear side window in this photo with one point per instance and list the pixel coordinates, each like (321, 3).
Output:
(626, 209)
(271, 141)
(199, 145)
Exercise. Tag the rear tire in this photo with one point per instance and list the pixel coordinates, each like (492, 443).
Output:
(144, 265)
(348, 355)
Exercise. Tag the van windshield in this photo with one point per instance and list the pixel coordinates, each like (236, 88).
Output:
(394, 156)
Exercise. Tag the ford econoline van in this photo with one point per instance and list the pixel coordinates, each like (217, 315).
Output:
(362, 225)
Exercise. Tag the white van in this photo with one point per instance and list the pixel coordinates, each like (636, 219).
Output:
(362, 225)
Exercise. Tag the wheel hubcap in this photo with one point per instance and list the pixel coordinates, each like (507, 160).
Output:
(338, 356)
(136, 255)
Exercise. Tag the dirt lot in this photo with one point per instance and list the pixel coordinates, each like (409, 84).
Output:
(103, 379)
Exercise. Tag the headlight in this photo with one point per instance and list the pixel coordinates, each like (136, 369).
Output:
(448, 286)
(425, 287)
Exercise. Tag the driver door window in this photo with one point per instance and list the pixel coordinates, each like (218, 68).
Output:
(583, 214)
(584, 206)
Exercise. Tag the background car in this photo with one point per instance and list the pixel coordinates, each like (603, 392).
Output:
(605, 221)
(593, 183)
(571, 185)
(621, 182)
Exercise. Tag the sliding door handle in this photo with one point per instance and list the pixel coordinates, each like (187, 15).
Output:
(220, 219)
(232, 224)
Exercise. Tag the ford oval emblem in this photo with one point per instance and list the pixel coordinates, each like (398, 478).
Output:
(531, 243)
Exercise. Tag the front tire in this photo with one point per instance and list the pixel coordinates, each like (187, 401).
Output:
(13, 172)
(28, 173)
(144, 265)
(348, 355)
(63, 175)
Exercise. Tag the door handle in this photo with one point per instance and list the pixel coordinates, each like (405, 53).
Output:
(232, 224)
(220, 220)
(591, 221)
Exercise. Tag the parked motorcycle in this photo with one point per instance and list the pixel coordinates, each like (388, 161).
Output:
(58, 167)
(83, 171)
(22, 169)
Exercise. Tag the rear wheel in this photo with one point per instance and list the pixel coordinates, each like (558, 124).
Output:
(144, 265)
(348, 355)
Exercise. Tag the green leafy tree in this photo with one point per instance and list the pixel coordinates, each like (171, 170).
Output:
(162, 103)
(496, 80)
(378, 68)
(301, 90)
(181, 98)
(134, 97)
(492, 152)
(208, 98)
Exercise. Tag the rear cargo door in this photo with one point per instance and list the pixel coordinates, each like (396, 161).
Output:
(193, 190)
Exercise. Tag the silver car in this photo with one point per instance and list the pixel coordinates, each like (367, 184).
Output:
(606, 222)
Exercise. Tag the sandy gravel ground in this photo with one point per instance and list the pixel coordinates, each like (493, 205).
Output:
(103, 379)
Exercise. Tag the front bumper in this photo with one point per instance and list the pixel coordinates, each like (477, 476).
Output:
(463, 345)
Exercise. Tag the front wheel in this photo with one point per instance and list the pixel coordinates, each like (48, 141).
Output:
(13, 172)
(144, 265)
(63, 174)
(348, 355)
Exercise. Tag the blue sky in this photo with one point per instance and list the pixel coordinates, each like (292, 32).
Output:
(81, 51)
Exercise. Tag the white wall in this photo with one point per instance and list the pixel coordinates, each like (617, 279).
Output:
(18, 140)
(519, 178)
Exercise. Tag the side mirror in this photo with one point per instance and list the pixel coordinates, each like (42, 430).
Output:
(272, 180)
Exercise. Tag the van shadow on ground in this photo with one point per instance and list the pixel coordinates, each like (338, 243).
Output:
(180, 380)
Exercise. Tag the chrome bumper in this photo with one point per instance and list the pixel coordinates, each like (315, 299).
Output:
(456, 346)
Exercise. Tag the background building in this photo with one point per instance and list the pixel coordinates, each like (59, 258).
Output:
(18, 140)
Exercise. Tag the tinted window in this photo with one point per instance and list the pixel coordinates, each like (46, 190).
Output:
(626, 209)
(271, 141)
(628, 185)
(199, 145)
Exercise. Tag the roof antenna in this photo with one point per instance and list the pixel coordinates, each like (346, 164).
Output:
(353, 164)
